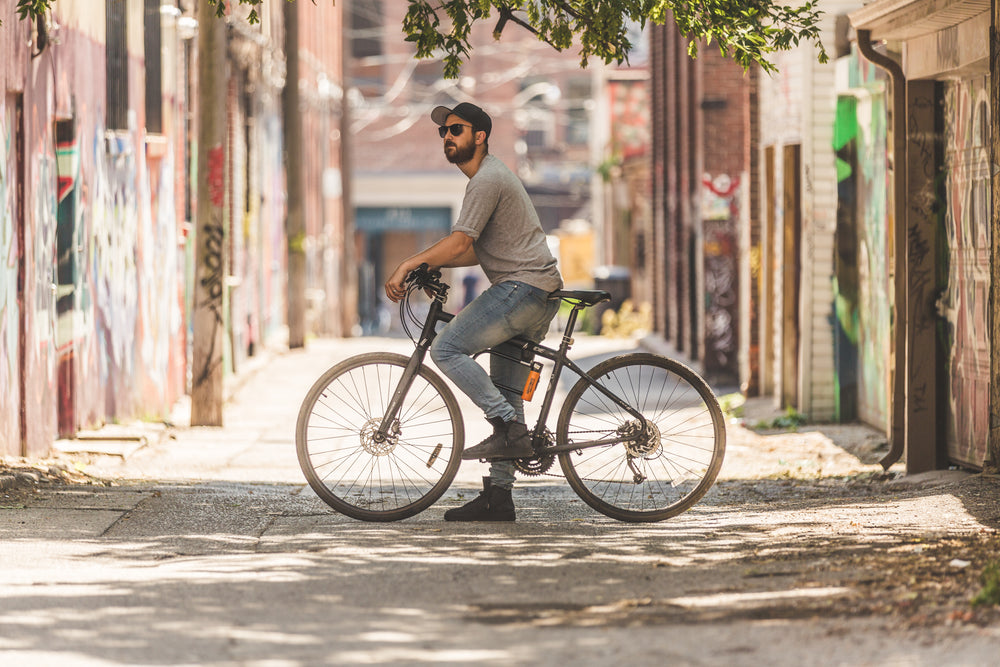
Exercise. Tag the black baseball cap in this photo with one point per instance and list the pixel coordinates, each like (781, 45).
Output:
(466, 111)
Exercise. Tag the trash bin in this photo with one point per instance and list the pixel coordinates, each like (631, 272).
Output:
(617, 281)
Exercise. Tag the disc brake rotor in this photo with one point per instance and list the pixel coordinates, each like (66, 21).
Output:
(643, 444)
(375, 445)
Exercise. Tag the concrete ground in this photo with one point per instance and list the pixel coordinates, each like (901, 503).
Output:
(198, 546)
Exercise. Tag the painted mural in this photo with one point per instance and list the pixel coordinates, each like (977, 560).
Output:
(846, 259)
(116, 298)
(10, 396)
(273, 255)
(68, 272)
(86, 397)
(158, 269)
(720, 214)
(630, 120)
(39, 298)
(964, 303)
(239, 308)
(105, 256)
(874, 301)
(862, 307)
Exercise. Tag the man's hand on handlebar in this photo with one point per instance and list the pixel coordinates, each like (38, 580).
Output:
(395, 286)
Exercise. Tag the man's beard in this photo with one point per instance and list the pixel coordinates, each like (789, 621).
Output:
(461, 155)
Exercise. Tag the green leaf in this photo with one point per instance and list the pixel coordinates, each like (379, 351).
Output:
(748, 31)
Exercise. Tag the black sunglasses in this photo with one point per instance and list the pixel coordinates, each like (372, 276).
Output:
(455, 128)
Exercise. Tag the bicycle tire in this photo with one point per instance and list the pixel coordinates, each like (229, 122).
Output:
(679, 462)
(369, 480)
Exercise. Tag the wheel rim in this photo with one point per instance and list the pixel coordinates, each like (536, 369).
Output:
(658, 472)
(357, 470)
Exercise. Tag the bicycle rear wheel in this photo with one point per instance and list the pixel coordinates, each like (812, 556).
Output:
(660, 472)
(360, 475)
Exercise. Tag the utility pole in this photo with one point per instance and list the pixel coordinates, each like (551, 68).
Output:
(348, 266)
(295, 224)
(992, 463)
(211, 254)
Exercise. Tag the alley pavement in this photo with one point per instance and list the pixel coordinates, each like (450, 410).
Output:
(176, 545)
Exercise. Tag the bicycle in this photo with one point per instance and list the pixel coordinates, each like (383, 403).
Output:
(640, 437)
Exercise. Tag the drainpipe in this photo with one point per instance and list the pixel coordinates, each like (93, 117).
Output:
(897, 441)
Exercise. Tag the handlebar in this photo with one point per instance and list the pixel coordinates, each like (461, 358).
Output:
(423, 277)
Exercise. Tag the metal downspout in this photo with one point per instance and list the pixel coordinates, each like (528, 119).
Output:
(897, 442)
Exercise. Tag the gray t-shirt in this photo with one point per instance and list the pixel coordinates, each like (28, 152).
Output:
(507, 236)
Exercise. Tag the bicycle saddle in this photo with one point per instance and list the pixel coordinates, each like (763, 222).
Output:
(588, 297)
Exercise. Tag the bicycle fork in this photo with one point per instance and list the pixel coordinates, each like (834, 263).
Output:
(390, 424)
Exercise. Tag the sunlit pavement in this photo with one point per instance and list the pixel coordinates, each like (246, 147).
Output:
(210, 550)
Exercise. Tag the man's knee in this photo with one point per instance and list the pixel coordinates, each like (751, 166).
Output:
(436, 351)
(442, 349)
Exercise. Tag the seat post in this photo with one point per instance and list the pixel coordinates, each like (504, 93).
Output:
(567, 339)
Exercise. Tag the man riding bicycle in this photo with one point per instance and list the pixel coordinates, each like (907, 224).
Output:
(499, 230)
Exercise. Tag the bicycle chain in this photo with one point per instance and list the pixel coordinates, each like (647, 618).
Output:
(545, 466)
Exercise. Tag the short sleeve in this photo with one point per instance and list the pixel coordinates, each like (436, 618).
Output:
(481, 198)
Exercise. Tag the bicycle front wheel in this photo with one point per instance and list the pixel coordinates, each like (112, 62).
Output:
(358, 472)
(659, 471)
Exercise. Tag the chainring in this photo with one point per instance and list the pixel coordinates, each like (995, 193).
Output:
(537, 465)
(534, 466)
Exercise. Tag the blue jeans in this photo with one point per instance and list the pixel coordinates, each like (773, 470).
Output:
(503, 311)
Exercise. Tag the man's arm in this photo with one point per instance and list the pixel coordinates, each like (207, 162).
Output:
(468, 258)
(453, 250)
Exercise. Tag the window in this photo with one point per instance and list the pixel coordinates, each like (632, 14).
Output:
(578, 101)
(366, 28)
(577, 126)
(116, 65)
(154, 78)
(537, 138)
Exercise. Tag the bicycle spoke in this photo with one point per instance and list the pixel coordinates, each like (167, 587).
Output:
(359, 469)
(666, 462)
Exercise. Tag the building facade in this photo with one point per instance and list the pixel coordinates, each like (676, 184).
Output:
(405, 193)
(798, 227)
(98, 187)
(940, 116)
(701, 196)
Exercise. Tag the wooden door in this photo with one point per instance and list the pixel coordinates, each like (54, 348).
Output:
(791, 272)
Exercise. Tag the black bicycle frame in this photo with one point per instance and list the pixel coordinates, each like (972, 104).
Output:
(434, 315)
(558, 357)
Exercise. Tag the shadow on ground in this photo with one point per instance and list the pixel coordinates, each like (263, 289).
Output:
(214, 581)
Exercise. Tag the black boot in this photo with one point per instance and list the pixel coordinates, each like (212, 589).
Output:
(510, 440)
(492, 504)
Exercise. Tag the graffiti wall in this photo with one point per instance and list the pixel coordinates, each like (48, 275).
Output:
(862, 306)
(68, 267)
(846, 312)
(160, 320)
(38, 298)
(116, 299)
(10, 368)
(272, 253)
(720, 214)
(103, 278)
(874, 301)
(94, 245)
(965, 300)
(240, 308)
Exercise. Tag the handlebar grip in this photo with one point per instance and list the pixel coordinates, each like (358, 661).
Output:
(416, 273)
(423, 275)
